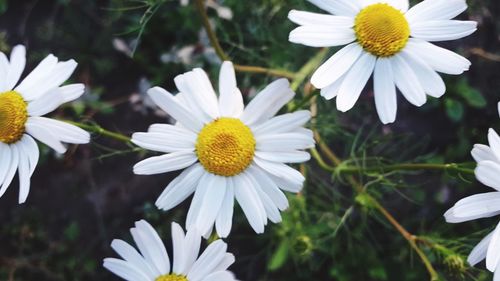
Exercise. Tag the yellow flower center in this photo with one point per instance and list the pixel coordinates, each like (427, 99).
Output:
(382, 30)
(171, 277)
(225, 147)
(13, 116)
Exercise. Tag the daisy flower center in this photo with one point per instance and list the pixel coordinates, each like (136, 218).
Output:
(171, 277)
(13, 116)
(382, 30)
(225, 147)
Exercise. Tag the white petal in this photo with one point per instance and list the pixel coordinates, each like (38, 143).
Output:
(493, 254)
(435, 10)
(30, 148)
(488, 173)
(430, 81)
(482, 152)
(336, 66)
(62, 131)
(37, 76)
(46, 103)
(130, 254)
(322, 35)
(165, 163)
(226, 262)
(125, 270)
(230, 99)
(59, 74)
(271, 209)
(407, 81)
(4, 70)
(162, 142)
(192, 248)
(180, 188)
(208, 260)
(338, 7)
(494, 141)
(331, 91)
(224, 219)
(385, 91)
(178, 238)
(284, 172)
(439, 59)
(269, 187)
(482, 205)
(267, 102)
(11, 168)
(151, 246)
(199, 94)
(167, 102)
(479, 252)
(43, 134)
(283, 142)
(442, 30)
(71, 92)
(284, 156)
(5, 163)
(220, 276)
(16, 67)
(283, 123)
(308, 18)
(212, 202)
(354, 82)
(250, 203)
(23, 173)
(197, 201)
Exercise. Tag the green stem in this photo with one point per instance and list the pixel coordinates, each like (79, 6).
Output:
(405, 167)
(308, 68)
(94, 128)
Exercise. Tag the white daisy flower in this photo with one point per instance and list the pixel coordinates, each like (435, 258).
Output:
(21, 110)
(229, 151)
(387, 39)
(483, 205)
(152, 262)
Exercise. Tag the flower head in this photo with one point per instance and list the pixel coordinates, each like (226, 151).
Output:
(386, 38)
(228, 151)
(21, 109)
(152, 262)
(483, 205)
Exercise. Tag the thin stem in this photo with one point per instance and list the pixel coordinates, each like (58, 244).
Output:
(214, 41)
(200, 5)
(263, 70)
(403, 167)
(94, 128)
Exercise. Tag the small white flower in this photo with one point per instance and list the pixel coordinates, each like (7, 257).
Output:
(21, 108)
(152, 262)
(228, 151)
(483, 205)
(388, 39)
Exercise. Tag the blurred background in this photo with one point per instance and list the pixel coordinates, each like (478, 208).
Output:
(82, 200)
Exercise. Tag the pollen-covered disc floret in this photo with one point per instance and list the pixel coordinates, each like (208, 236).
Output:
(225, 146)
(171, 277)
(382, 30)
(13, 117)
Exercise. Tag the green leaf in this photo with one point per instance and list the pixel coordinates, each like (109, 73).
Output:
(454, 109)
(472, 96)
(3, 6)
(279, 257)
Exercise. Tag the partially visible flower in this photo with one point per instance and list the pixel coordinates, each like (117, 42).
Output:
(388, 39)
(21, 111)
(228, 151)
(483, 205)
(152, 262)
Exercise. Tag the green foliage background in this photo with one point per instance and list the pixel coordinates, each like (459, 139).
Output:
(80, 202)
